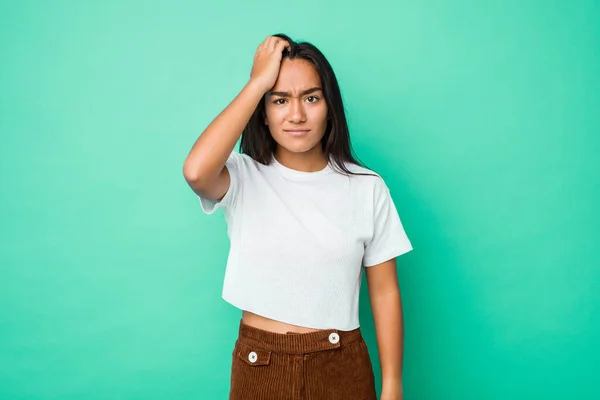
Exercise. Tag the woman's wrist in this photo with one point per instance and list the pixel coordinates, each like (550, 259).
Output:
(256, 86)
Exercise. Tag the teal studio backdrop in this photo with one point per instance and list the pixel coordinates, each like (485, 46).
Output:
(483, 117)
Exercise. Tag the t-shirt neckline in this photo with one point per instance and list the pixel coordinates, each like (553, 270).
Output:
(294, 173)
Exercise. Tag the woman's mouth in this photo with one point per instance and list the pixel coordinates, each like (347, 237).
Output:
(297, 132)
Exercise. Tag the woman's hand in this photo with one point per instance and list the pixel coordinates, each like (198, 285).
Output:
(267, 62)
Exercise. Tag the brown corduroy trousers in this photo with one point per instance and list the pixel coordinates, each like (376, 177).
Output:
(323, 365)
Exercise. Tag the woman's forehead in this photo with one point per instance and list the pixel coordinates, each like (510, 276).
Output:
(296, 76)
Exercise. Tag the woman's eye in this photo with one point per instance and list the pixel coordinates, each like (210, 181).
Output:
(311, 99)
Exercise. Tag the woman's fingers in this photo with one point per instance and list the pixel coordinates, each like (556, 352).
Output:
(275, 43)
(272, 43)
(283, 44)
(267, 61)
(265, 45)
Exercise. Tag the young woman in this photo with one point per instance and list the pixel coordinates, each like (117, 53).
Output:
(304, 219)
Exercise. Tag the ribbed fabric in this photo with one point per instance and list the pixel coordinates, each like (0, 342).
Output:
(299, 240)
(301, 366)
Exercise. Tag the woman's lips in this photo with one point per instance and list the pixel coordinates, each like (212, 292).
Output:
(297, 132)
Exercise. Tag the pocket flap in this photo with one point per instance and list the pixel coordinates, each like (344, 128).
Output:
(252, 356)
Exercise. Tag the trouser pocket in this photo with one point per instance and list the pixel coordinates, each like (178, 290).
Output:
(254, 375)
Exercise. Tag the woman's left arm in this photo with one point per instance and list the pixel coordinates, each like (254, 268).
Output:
(386, 304)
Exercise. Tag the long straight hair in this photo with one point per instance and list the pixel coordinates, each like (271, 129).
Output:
(257, 141)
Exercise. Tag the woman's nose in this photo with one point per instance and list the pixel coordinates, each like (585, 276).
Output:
(296, 111)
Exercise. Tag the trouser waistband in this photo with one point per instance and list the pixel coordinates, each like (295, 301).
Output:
(297, 343)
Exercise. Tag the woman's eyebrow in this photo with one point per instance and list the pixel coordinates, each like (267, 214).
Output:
(287, 94)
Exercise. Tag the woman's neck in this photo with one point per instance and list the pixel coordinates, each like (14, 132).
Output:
(310, 161)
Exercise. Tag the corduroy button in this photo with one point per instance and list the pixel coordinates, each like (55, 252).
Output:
(252, 357)
(334, 338)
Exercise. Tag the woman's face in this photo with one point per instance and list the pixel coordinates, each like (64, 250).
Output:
(296, 111)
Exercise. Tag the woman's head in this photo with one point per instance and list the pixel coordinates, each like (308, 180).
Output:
(306, 98)
(295, 109)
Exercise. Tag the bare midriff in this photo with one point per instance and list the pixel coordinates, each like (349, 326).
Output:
(271, 325)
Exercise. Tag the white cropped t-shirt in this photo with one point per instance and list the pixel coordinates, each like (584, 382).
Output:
(299, 240)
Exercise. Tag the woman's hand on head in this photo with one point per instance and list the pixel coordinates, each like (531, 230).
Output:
(267, 62)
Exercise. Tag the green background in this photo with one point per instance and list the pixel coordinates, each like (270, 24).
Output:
(483, 118)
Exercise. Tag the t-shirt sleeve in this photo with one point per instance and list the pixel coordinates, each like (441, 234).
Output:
(234, 164)
(389, 239)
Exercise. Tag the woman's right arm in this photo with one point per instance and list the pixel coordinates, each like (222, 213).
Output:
(204, 168)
